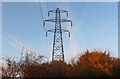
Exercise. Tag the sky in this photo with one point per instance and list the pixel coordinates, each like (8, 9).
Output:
(0, 33)
(95, 27)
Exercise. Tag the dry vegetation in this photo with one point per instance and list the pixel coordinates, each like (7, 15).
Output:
(89, 64)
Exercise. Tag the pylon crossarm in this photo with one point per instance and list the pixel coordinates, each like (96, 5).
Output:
(66, 20)
(64, 30)
(62, 11)
(48, 20)
(51, 11)
(51, 30)
(53, 20)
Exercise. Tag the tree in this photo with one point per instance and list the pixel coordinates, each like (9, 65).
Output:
(89, 64)
(96, 63)
(11, 69)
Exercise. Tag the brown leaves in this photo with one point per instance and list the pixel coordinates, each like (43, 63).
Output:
(89, 64)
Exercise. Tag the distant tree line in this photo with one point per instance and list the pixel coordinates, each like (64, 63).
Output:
(89, 64)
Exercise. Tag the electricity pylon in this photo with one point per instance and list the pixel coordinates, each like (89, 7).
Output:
(58, 52)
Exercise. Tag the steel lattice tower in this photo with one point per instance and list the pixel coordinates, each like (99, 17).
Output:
(58, 51)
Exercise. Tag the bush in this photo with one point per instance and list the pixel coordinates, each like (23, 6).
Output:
(89, 64)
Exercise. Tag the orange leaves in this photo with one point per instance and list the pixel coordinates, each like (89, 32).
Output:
(97, 60)
(89, 64)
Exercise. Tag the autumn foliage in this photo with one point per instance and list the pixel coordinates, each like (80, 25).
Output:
(89, 64)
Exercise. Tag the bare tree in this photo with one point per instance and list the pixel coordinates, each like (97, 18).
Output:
(11, 69)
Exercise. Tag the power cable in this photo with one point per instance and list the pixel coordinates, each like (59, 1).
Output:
(48, 47)
(41, 11)
(47, 6)
(80, 11)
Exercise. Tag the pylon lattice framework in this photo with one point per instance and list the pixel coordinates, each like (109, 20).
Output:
(58, 51)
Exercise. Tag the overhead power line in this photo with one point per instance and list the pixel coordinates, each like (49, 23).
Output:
(41, 11)
(47, 6)
(80, 11)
